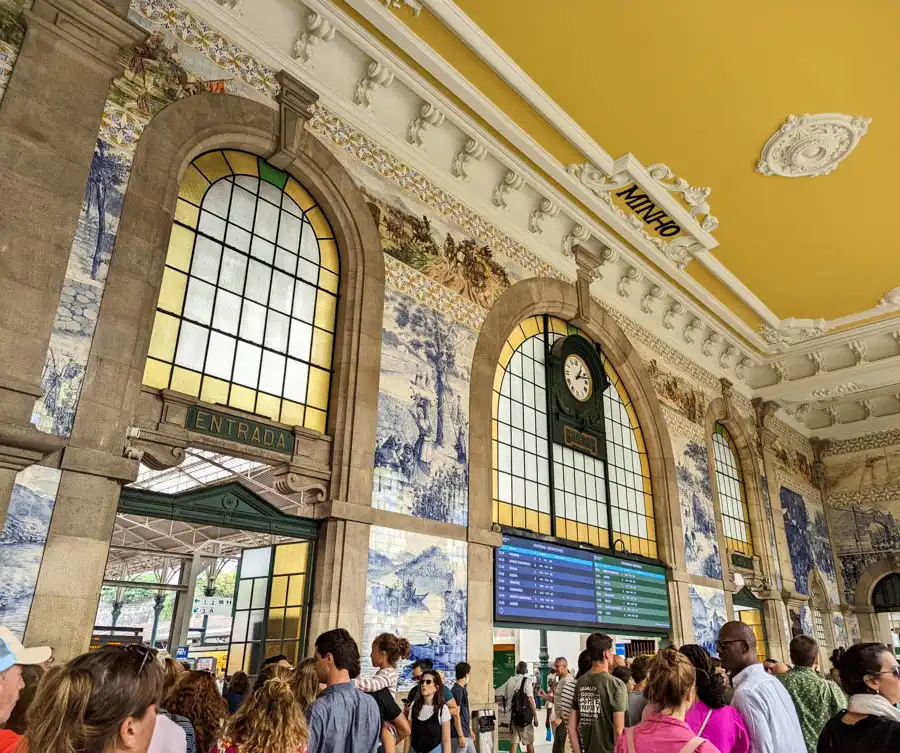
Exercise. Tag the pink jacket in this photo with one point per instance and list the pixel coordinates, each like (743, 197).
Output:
(662, 734)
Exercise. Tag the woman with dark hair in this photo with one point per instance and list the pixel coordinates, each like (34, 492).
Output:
(430, 717)
(196, 697)
(870, 675)
(238, 690)
(834, 673)
(584, 664)
(710, 716)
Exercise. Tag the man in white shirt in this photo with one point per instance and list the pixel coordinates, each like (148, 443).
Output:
(520, 681)
(563, 696)
(759, 697)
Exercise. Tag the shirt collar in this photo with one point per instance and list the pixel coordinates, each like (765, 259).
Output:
(753, 671)
(340, 687)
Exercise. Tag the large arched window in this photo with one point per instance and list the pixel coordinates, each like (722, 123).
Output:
(542, 486)
(732, 493)
(247, 306)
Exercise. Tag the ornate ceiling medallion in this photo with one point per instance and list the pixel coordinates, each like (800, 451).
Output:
(811, 145)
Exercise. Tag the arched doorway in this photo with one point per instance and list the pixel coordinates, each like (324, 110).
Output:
(886, 601)
(880, 623)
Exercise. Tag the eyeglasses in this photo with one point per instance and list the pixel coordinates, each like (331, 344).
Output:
(426, 681)
(724, 644)
(895, 671)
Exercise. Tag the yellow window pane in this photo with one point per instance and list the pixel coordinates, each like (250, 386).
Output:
(164, 337)
(315, 420)
(156, 374)
(531, 326)
(291, 413)
(604, 539)
(187, 213)
(171, 292)
(186, 382)
(496, 513)
(558, 326)
(322, 346)
(582, 532)
(235, 658)
(328, 281)
(296, 590)
(498, 379)
(317, 392)
(275, 627)
(645, 466)
(293, 621)
(326, 305)
(268, 405)
(594, 535)
(319, 223)
(213, 166)
(494, 455)
(290, 558)
(278, 594)
(648, 504)
(544, 522)
(516, 338)
(651, 529)
(328, 256)
(531, 520)
(193, 185)
(181, 247)
(518, 516)
(561, 528)
(214, 390)
(242, 398)
(299, 194)
(505, 514)
(242, 163)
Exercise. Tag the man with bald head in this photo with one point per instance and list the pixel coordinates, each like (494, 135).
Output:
(759, 697)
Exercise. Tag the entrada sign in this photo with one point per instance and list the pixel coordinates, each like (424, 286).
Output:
(242, 430)
(644, 208)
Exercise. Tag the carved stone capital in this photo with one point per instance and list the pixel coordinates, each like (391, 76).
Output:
(22, 446)
(296, 100)
(764, 409)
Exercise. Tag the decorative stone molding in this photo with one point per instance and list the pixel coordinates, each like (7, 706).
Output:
(693, 326)
(545, 208)
(472, 149)
(818, 359)
(578, 234)
(630, 275)
(780, 369)
(415, 5)
(832, 412)
(891, 298)
(597, 181)
(811, 145)
(318, 30)
(681, 251)
(694, 197)
(296, 101)
(743, 364)
(728, 352)
(868, 408)
(376, 76)
(802, 412)
(654, 293)
(233, 4)
(859, 351)
(429, 116)
(711, 340)
(840, 390)
(676, 309)
(793, 331)
(873, 441)
(511, 181)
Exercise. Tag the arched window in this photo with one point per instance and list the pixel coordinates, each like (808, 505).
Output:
(247, 306)
(732, 493)
(544, 487)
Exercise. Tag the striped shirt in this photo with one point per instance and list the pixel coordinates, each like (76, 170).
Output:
(564, 696)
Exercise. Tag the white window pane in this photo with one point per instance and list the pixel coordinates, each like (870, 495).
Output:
(216, 198)
(234, 268)
(301, 338)
(207, 256)
(309, 246)
(544, 499)
(504, 487)
(253, 322)
(266, 223)
(211, 225)
(243, 206)
(239, 239)
(245, 181)
(504, 458)
(308, 271)
(258, 279)
(255, 562)
(286, 261)
(295, 381)
(198, 303)
(270, 193)
(262, 249)
(289, 232)
(290, 205)
(304, 301)
(228, 312)
(280, 296)
(277, 332)
(221, 356)
(271, 377)
(191, 346)
(246, 364)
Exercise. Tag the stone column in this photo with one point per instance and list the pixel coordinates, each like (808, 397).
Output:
(184, 600)
(480, 622)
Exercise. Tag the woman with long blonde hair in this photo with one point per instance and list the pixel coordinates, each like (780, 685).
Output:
(269, 721)
(306, 683)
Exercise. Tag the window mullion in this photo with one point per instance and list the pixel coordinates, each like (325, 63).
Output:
(551, 477)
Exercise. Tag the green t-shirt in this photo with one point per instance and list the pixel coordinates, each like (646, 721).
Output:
(597, 698)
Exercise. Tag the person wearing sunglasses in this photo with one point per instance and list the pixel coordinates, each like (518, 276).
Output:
(430, 717)
(871, 724)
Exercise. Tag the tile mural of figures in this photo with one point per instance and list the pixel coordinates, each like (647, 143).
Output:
(417, 587)
(840, 629)
(708, 614)
(853, 629)
(807, 537)
(22, 542)
(421, 453)
(678, 393)
(697, 511)
(770, 520)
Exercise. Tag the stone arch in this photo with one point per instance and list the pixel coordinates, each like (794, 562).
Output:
(872, 625)
(181, 132)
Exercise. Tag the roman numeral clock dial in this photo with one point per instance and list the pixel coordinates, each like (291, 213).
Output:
(578, 378)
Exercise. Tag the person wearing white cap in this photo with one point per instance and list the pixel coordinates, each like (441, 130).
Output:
(12, 656)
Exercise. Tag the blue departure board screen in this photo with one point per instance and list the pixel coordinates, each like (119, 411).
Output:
(550, 584)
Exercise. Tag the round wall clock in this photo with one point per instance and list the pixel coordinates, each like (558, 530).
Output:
(578, 377)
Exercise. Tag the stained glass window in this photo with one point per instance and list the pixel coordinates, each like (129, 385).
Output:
(542, 486)
(246, 311)
(732, 493)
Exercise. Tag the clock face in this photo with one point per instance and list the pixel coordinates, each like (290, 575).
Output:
(578, 378)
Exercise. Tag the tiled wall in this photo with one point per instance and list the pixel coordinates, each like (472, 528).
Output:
(708, 613)
(807, 537)
(697, 511)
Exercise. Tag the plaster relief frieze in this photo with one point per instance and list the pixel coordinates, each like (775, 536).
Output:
(376, 76)
(318, 30)
(676, 309)
(429, 117)
(780, 369)
(681, 251)
(680, 426)
(818, 359)
(472, 149)
(793, 331)
(694, 197)
(798, 483)
(833, 416)
(511, 181)
(415, 5)
(544, 208)
(859, 351)
(710, 341)
(872, 441)
(811, 145)
(693, 326)
(654, 293)
(627, 277)
(741, 369)
(728, 352)
(841, 390)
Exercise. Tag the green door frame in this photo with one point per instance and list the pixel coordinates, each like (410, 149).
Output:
(746, 598)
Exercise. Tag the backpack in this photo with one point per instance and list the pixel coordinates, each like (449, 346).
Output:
(520, 713)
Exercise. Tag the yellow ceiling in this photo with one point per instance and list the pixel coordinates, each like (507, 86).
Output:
(701, 86)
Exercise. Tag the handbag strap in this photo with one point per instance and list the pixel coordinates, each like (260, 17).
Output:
(705, 722)
(629, 739)
(692, 745)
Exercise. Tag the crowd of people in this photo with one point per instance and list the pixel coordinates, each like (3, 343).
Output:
(685, 701)
(131, 699)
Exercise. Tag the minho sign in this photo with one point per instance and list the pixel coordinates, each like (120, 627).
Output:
(242, 430)
(638, 203)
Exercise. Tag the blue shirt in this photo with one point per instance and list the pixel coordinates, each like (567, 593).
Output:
(344, 720)
(461, 696)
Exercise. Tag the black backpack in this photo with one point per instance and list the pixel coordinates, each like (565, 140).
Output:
(520, 713)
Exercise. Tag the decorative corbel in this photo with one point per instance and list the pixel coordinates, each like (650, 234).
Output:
(832, 412)
(472, 149)
(802, 412)
(676, 309)
(428, 117)
(296, 101)
(693, 326)
(859, 351)
(578, 234)
(630, 275)
(780, 369)
(818, 359)
(318, 30)
(740, 371)
(709, 342)
(728, 352)
(868, 408)
(511, 181)
(545, 208)
(764, 410)
(376, 76)
(654, 293)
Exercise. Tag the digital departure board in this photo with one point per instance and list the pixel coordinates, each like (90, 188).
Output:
(551, 584)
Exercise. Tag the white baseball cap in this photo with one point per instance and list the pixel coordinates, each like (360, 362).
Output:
(13, 652)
